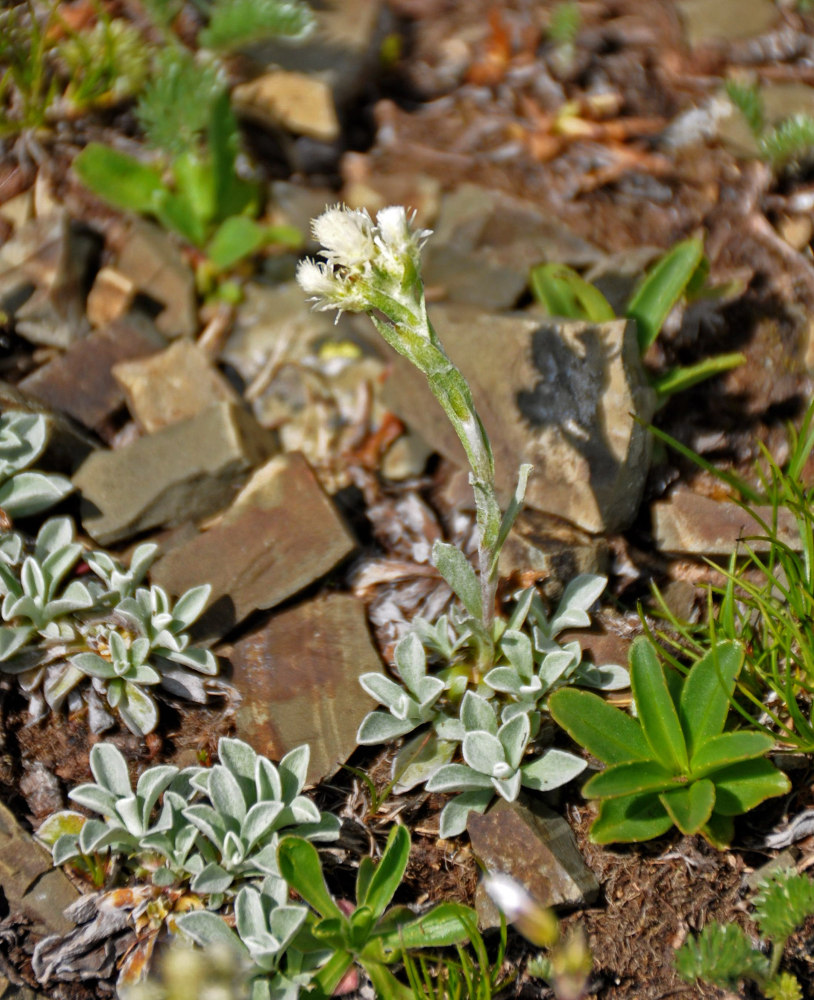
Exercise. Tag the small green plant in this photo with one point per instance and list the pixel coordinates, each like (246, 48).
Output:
(125, 639)
(563, 28)
(23, 490)
(681, 272)
(767, 599)
(725, 955)
(105, 64)
(789, 145)
(27, 86)
(236, 23)
(292, 947)
(675, 764)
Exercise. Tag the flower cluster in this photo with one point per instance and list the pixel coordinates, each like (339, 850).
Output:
(367, 265)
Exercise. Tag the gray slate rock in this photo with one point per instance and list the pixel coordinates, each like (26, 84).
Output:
(280, 535)
(31, 885)
(560, 394)
(299, 678)
(80, 382)
(536, 847)
(184, 472)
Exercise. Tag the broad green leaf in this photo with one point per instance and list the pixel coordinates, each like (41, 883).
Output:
(118, 178)
(631, 819)
(173, 212)
(444, 925)
(655, 707)
(740, 787)
(718, 830)
(456, 569)
(629, 778)
(663, 286)
(704, 702)
(676, 380)
(236, 237)
(60, 824)
(728, 748)
(605, 731)
(566, 294)
(690, 806)
(300, 867)
(389, 871)
(233, 196)
(195, 185)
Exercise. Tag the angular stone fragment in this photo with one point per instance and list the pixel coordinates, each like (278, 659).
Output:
(294, 101)
(186, 471)
(30, 883)
(298, 676)
(535, 846)
(561, 395)
(280, 535)
(689, 523)
(151, 261)
(171, 385)
(79, 382)
(42, 273)
(726, 20)
(110, 297)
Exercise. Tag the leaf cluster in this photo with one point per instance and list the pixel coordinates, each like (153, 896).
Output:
(58, 633)
(674, 764)
(680, 274)
(492, 720)
(787, 145)
(726, 955)
(23, 490)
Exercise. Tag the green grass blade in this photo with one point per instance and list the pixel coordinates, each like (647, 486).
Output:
(662, 288)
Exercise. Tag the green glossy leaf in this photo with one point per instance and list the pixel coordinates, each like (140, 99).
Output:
(629, 778)
(740, 787)
(237, 237)
(631, 819)
(655, 707)
(456, 569)
(389, 871)
(690, 806)
(663, 286)
(678, 379)
(729, 748)
(119, 179)
(718, 830)
(300, 867)
(704, 703)
(566, 294)
(605, 731)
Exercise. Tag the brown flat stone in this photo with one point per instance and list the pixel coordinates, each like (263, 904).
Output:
(536, 847)
(31, 885)
(298, 676)
(79, 382)
(280, 535)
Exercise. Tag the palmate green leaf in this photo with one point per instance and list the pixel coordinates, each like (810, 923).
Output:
(456, 569)
(631, 818)
(663, 286)
(740, 787)
(784, 900)
(704, 703)
(566, 294)
(605, 731)
(655, 707)
(629, 778)
(690, 806)
(119, 179)
(721, 954)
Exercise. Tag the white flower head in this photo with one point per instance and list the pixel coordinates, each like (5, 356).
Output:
(396, 238)
(347, 236)
(330, 289)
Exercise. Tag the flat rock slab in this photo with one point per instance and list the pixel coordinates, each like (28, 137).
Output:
(171, 385)
(181, 473)
(30, 883)
(690, 524)
(536, 847)
(294, 101)
(298, 676)
(151, 261)
(726, 20)
(559, 394)
(79, 382)
(280, 535)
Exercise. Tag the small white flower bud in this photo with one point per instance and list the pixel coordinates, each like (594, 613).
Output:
(347, 236)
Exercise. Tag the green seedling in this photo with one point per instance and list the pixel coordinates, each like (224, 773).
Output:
(675, 764)
(789, 145)
(374, 934)
(679, 273)
(27, 84)
(725, 955)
